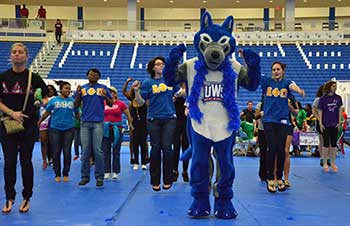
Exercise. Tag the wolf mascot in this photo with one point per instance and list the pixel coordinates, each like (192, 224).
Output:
(212, 81)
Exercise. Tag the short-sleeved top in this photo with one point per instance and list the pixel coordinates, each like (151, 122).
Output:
(13, 87)
(329, 105)
(114, 113)
(24, 12)
(93, 102)
(251, 114)
(160, 96)
(248, 128)
(301, 117)
(275, 100)
(58, 27)
(62, 113)
(42, 13)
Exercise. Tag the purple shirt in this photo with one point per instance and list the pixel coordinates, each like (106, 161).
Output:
(330, 109)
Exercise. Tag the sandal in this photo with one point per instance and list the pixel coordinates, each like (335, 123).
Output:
(156, 187)
(167, 186)
(287, 183)
(8, 206)
(24, 206)
(280, 185)
(271, 186)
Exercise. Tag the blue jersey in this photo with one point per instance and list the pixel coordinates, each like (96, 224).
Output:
(275, 100)
(62, 113)
(93, 102)
(161, 105)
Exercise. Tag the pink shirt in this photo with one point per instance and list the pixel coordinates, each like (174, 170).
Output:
(114, 113)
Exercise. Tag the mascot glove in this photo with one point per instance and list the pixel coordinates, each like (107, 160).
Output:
(251, 58)
(176, 53)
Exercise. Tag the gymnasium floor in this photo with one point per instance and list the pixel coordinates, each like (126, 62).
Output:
(316, 198)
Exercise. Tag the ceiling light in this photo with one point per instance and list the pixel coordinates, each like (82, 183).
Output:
(171, 1)
(305, 1)
(204, 1)
(138, 1)
(339, 0)
(237, 1)
(270, 1)
(105, 0)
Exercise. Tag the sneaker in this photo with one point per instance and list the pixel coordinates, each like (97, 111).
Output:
(143, 167)
(115, 176)
(107, 176)
(326, 168)
(83, 182)
(335, 168)
(99, 183)
(185, 176)
(58, 179)
(75, 157)
(65, 179)
(136, 166)
(329, 162)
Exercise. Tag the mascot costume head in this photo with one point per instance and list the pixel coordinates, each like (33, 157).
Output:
(212, 79)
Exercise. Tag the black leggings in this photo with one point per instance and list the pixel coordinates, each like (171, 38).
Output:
(139, 141)
(276, 135)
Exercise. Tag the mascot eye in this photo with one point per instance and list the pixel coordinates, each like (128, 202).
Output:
(205, 38)
(224, 40)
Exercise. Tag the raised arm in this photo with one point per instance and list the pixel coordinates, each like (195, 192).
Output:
(125, 86)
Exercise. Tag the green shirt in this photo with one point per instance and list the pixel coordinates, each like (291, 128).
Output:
(248, 128)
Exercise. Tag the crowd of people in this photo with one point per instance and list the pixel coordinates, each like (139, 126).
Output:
(92, 118)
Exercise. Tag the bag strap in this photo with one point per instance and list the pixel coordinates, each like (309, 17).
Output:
(28, 90)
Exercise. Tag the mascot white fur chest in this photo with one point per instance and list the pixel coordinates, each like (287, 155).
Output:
(212, 79)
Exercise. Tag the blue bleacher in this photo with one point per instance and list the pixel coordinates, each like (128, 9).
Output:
(308, 79)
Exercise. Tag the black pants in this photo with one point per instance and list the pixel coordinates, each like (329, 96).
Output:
(263, 150)
(275, 135)
(58, 37)
(139, 141)
(23, 143)
(180, 142)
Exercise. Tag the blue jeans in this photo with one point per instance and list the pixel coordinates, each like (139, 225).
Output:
(91, 134)
(107, 143)
(61, 140)
(162, 132)
(77, 142)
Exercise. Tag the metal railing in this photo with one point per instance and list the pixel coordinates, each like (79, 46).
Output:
(38, 25)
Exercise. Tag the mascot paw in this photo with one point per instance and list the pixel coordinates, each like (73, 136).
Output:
(200, 207)
(251, 58)
(224, 209)
(176, 53)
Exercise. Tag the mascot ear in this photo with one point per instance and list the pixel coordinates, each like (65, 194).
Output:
(206, 20)
(228, 24)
